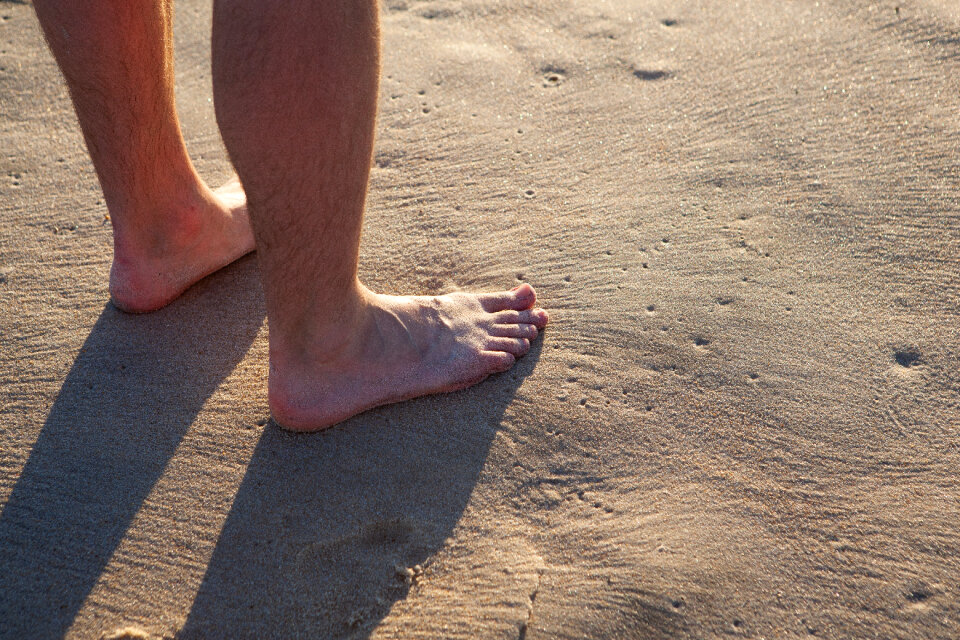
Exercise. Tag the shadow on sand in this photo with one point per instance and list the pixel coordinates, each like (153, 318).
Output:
(322, 522)
(319, 523)
(129, 398)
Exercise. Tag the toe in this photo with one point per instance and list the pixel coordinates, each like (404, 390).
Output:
(527, 331)
(516, 346)
(498, 360)
(518, 299)
(537, 317)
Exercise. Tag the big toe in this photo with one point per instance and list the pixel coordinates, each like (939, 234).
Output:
(518, 299)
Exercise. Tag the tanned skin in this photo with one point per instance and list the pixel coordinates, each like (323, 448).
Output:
(295, 91)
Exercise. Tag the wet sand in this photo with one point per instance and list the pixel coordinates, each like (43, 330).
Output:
(743, 420)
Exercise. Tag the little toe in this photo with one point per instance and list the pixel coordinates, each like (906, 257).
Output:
(527, 331)
(518, 299)
(515, 346)
(498, 360)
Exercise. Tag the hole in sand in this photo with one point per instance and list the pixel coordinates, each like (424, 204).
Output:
(649, 74)
(907, 358)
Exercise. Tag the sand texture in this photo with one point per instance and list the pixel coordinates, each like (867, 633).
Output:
(743, 421)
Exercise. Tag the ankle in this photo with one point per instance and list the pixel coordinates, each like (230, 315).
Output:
(160, 229)
(325, 333)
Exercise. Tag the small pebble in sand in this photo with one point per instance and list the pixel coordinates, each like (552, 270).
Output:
(408, 575)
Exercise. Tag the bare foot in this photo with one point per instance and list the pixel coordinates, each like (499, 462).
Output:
(204, 235)
(400, 348)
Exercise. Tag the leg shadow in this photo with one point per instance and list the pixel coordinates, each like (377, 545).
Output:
(321, 522)
(127, 402)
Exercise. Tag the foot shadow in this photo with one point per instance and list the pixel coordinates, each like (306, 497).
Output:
(322, 522)
(133, 392)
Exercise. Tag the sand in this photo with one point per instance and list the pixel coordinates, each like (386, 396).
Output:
(743, 420)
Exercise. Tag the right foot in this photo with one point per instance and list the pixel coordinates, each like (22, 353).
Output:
(211, 232)
(400, 347)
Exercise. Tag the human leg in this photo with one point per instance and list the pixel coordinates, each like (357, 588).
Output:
(169, 228)
(295, 89)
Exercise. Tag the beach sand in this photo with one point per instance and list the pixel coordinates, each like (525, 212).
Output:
(744, 219)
